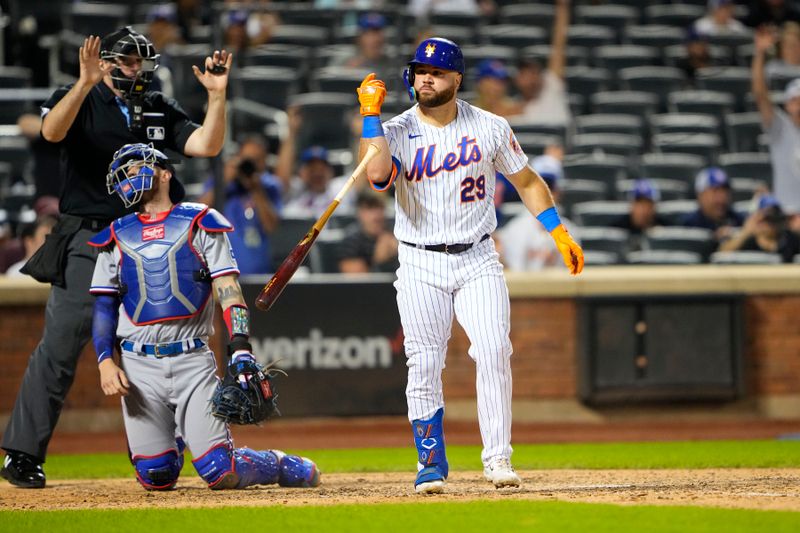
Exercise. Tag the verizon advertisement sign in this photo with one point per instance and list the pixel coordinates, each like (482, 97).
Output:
(340, 343)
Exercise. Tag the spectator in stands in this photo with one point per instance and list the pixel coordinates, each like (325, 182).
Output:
(720, 20)
(766, 231)
(32, 235)
(775, 12)
(543, 91)
(315, 187)
(643, 214)
(698, 54)
(163, 30)
(252, 204)
(369, 246)
(190, 15)
(246, 29)
(492, 80)
(372, 54)
(523, 243)
(787, 63)
(781, 125)
(714, 198)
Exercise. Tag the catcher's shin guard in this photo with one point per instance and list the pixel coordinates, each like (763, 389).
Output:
(158, 472)
(429, 440)
(256, 468)
(216, 467)
(296, 471)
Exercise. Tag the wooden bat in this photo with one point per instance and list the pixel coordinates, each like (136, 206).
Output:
(284, 273)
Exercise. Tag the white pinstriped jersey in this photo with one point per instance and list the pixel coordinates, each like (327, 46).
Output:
(445, 177)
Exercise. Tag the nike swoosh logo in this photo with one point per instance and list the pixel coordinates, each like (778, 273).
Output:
(413, 136)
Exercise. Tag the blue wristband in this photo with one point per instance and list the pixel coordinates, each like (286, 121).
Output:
(372, 127)
(549, 219)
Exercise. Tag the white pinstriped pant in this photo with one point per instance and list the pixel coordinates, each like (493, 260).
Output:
(432, 287)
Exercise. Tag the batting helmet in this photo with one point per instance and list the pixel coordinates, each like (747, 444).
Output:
(436, 52)
(125, 43)
(131, 187)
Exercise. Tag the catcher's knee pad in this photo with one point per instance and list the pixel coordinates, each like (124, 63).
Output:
(158, 472)
(429, 440)
(256, 468)
(297, 471)
(216, 467)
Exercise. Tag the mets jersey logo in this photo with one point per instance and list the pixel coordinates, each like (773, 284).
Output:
(514, 144)
(469, 152)
(430, 49)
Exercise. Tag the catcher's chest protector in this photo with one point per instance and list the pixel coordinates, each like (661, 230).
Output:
(161, 274)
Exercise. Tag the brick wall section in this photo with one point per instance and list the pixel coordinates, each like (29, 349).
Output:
(543, 332)
(772, 344)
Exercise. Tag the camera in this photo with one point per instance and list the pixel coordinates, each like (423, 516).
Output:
(246, 168)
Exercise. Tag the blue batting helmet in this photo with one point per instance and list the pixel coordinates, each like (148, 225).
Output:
(436, 52)
(131, 187)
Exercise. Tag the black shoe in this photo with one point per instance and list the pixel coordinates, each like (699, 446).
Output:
(23, 470)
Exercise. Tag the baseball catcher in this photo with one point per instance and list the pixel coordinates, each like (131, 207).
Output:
(153, 281)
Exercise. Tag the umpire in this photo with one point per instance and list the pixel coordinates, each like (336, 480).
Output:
(109, 106)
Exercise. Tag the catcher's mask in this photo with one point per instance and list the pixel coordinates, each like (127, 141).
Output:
(131, 187)
(436, 52)
(127, 46)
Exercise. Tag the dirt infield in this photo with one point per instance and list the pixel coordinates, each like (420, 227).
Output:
(765, 489)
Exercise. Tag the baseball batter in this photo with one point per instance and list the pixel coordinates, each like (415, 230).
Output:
(153, 282)
(442, 155)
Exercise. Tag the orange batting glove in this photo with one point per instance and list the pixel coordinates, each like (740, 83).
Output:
(570, 250)
(371, 94)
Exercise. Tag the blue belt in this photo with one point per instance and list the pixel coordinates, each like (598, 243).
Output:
(167, 349)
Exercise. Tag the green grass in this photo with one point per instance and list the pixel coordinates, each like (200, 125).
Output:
(440, 517)
(700, 454)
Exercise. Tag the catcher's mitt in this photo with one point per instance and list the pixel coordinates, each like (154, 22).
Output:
(246, 394)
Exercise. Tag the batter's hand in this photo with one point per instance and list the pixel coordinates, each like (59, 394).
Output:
(371, 94)
(113, 379)
(570, 250)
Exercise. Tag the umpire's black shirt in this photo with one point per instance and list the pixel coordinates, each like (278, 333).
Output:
(99, 130)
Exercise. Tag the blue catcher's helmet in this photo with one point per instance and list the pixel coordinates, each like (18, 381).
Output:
(131, 187)
(437, 52)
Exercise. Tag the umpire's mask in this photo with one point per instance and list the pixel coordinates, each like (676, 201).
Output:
(126, 47)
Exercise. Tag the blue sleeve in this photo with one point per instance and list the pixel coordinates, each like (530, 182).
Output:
(104, 325)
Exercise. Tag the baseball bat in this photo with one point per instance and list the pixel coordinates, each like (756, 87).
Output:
(284, 273)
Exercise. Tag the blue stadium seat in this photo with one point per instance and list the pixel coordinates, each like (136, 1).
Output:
(664, 257)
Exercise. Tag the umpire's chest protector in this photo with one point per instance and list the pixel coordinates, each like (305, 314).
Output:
(162, 276)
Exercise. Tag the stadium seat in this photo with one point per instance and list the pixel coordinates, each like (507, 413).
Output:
(248, 117)
(676, 210)
(754, 165)
(324, 255)
(743, 189)
(659, 36)
(634, 102)
(672, 166)
(457, 18)
(731, 40)
(599, 213)
(520, 126)
(576, 55)
(684, 123)
(780, 77)
(668, 189)
(700, 101)
(607, 143)
(267, 85)
(599, 258)
(697, 240)
(14, 77)
(325, 119)
(618, 56)
(300, 35)
(337, 79)
(87, 18)
(475, 54)
(514, 35)
(534, 143)
(590, 35)
(610, 15)
(587, 81)
(604, 239)
(743, 130)
(278, 55)
(610, 123)
(302, 15)
(577, 103)
(664, 257)
(745, 257)
(539, 15)
(656, 80)
(733, 80)
(287, 235)
(604, 168)
(459, 34)
(678, 15)
(332, 54)
(579, 191)
(14, 149)
(14, 102)
(706, 145)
